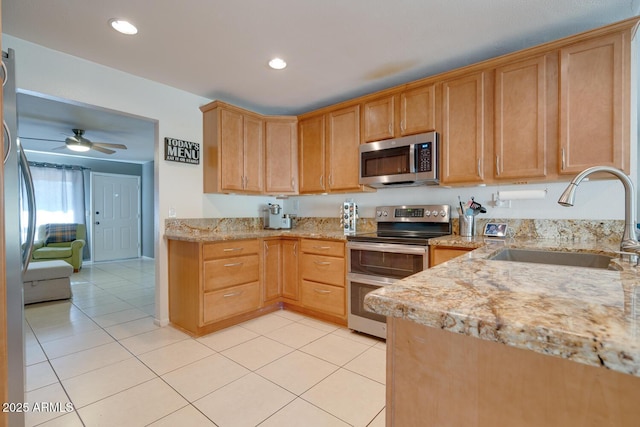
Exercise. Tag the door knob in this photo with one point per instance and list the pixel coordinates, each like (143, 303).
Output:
(97, 222)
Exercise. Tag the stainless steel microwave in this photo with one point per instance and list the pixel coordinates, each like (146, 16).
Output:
(407, 161)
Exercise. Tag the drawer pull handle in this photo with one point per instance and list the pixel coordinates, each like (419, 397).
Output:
(324, 248)
(322, 291)
(231, 249)
(234, 264)
(233, 294)
(322, 262)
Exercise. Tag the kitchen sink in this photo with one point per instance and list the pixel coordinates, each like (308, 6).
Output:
(573, 259)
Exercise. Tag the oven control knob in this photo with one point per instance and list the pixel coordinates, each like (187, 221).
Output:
(443, 214)
(434, 213)
(427, 213)
(378, 213)
(385, 213)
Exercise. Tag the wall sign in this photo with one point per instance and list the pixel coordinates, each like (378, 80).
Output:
(177, 150)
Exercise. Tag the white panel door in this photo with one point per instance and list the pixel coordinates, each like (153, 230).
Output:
(116, 216)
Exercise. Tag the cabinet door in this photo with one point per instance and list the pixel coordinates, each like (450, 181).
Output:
(378, 119)
(253, 159)
(290, 280)
(343, 141)
(593, 107)
(272, 253)
(463, 129)
(231, 150)
(520, 138)
(281, 157)
(418, 110)
(312, 157)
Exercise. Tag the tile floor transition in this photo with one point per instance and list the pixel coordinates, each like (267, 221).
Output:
(102, 352)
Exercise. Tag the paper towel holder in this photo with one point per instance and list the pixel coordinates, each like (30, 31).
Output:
(502, 199)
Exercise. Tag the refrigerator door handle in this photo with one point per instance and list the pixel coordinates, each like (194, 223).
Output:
(31, 206)
(7, 138)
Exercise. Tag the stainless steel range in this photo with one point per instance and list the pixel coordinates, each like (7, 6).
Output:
(398, 249)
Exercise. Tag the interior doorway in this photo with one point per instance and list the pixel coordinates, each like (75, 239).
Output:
(115, 216)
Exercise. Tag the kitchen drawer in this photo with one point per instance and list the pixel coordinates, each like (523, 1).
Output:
(229, 302)
(230, 248)
(323, 269)
(322, 247)
(321, 297)
(222, 273)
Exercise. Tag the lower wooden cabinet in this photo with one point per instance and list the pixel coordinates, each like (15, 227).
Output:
(325, 298)
(440, 254)
(280, 275)
(213, 285)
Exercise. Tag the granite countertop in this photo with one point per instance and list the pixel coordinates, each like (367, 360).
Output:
(586, 315)
(213, 230)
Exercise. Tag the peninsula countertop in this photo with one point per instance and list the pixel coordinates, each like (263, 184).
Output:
(586, 315)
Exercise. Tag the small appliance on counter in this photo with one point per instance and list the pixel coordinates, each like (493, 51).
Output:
(274, 220)
(349, 216)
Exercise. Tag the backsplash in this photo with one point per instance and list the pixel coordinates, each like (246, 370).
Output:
(568, 229)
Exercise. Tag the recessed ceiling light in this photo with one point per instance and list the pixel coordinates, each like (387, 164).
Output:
(277, 63)
(122, 26)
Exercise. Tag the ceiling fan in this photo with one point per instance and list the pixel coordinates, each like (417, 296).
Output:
(79, 143)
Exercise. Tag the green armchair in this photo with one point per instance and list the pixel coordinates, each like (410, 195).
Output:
(60, 241)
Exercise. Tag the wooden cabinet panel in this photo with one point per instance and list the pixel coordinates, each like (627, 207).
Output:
(438, 255)
(325, 298)
(343, 140)
(323, 247)
(230, 248)
(463, 139)
(520, 136)
(290, 278)
(232, 150)
(418, 110)
(273, 269)
(312, 154)
(594, 115)
(253, 159)
(281, 156)
(222, 273)
(232, 301)
(323, 269)
(379, 119)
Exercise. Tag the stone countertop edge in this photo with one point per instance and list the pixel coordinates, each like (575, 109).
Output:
(217, 236)
(586, 315)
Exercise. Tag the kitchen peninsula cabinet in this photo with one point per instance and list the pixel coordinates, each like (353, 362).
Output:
(281, 155)
(328, 151)
(440, 254)
(463, 140)
(233, 142)
(322, 274)
(214, 285)
(414, 108)
(594, 103)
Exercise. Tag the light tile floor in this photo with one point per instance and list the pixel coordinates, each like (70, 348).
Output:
(102, 355)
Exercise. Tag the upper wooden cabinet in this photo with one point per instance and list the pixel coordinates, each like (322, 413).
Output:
(407, 112)
(463, 129)
(328, 145)
(378, 117)
(520, 119)
(281, 156)
(594, 103)
(233, 142)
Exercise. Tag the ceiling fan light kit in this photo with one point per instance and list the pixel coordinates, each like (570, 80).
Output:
(79, 143)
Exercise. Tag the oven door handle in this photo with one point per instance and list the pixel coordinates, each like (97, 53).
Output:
(370, 280)
(388, 247)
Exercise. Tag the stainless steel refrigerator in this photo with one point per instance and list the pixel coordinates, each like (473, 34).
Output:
(18, 248)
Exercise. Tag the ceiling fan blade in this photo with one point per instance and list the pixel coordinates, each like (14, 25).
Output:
(102, 149)
(39, 139)
(62, 147)
(108, 145)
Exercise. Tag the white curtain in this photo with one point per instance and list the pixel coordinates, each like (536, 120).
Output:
(59, 194)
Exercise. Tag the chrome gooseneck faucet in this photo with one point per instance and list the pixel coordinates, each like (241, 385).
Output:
(629, 242)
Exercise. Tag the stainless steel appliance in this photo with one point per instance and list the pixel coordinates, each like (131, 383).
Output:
(398, 249)
(407, 161)
(18, 254)
(274, 220)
